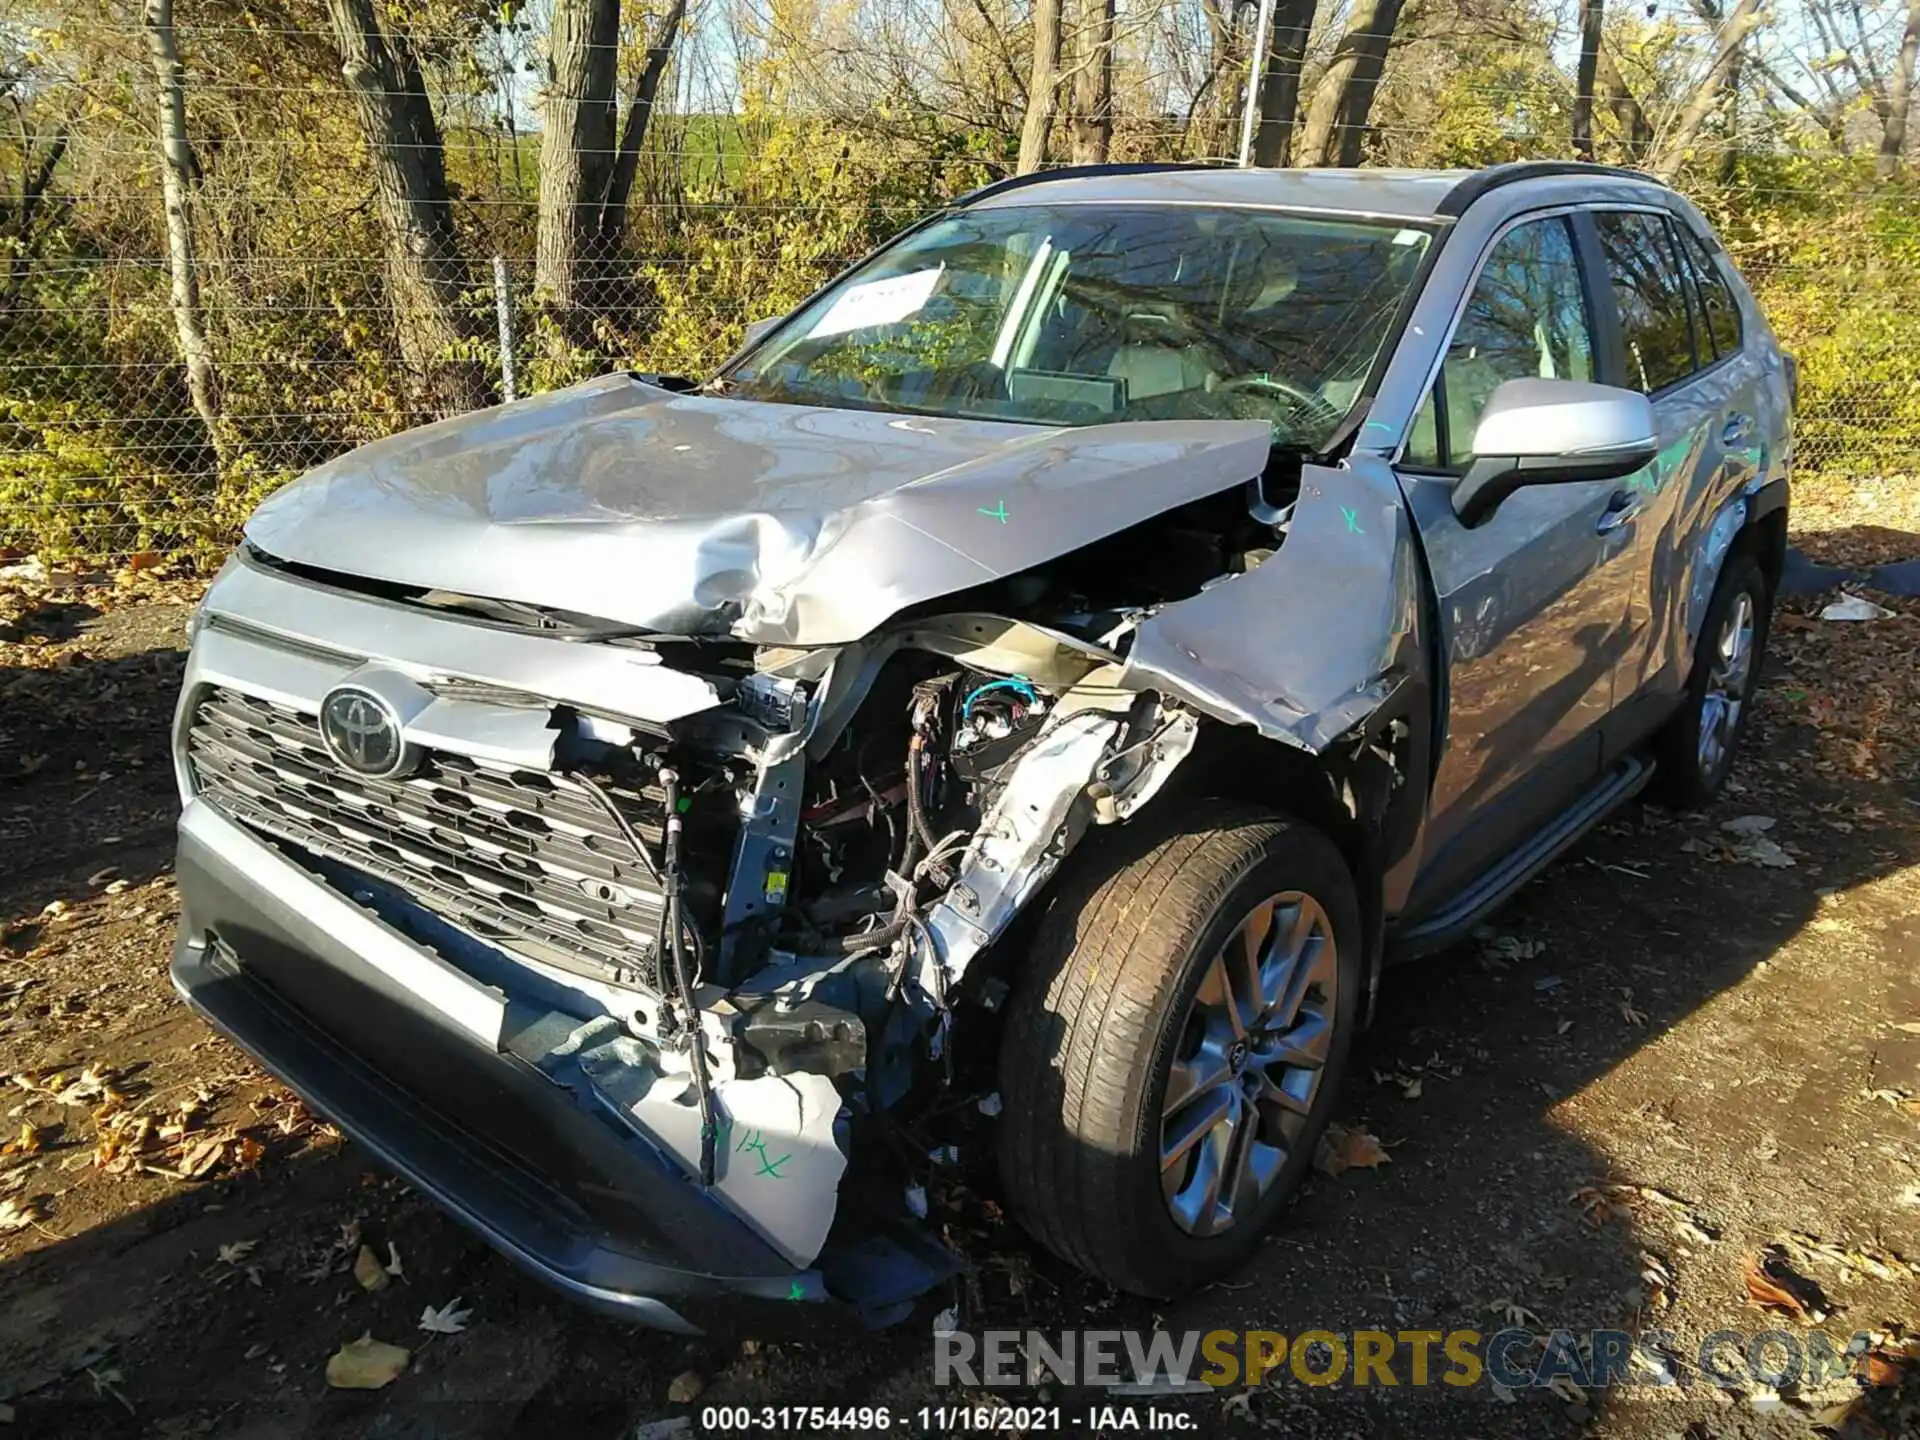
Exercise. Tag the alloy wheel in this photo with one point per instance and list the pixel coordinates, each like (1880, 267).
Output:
(1728, 679)
(1252, 1049)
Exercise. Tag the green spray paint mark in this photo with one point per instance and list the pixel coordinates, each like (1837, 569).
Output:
(999, 512)
(796, 1291)
(754, 1143)
(1352, 517)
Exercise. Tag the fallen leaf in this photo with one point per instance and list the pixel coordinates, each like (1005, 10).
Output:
(1908, 1027)
(686, 1388)
(368, 1270)
(1748, 825)
(365, 1364)
(1628, 1012)
(29, 1141)
(393, 1262)
(1342, 1149)
(143, 560)
(447, 1320)
(1773, 1285)
(201, 1159)
(1886, 1367)
(1767, 854)
(17, 1214)
(236, 1251)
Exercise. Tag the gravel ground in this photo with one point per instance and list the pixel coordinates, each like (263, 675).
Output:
(1681, 1046)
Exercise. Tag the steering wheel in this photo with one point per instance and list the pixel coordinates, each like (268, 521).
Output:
(1310, 405)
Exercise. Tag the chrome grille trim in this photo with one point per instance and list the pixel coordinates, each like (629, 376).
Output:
(512, 856)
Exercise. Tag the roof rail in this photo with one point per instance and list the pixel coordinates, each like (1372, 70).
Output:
(1456, 200)
(1076, 172)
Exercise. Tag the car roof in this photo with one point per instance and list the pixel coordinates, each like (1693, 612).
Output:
(1395, 194)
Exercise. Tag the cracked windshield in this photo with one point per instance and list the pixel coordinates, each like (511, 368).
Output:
(1070, 315)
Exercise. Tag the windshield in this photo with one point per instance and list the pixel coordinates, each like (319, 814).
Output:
(1080, 314)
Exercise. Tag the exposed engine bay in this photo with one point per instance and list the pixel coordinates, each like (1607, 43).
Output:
(844, 835)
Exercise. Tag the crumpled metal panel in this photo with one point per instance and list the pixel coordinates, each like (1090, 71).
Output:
(1317, 637)
(785, 524)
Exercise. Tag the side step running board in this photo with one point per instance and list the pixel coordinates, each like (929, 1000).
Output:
(1498, 884)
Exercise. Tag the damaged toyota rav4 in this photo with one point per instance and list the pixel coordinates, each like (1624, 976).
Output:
(1065, 658)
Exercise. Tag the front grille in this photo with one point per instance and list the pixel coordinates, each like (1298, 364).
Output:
(528, 860)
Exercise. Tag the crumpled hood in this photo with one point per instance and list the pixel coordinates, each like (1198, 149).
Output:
(783, 524)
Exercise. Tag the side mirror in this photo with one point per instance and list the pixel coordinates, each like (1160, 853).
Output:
(1546, 432)
(757, 328)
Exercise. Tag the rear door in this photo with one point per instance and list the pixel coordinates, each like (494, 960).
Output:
(1681, 344)
(1533, 604)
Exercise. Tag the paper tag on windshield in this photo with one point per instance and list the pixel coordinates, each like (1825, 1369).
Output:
(877, 302)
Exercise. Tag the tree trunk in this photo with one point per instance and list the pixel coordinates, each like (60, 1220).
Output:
(1042, 83)
(1336, 121)
(1893, 125)
(1093, 83)
(176, 176)
(426, 273)
(33, 191)
(633, 133)
(576, 157)
(1636, 132)
(1592, 14)
(1741, 22)
(1279, 93)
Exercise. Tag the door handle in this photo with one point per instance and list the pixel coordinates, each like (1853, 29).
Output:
(1622, 506)
(1737, 429)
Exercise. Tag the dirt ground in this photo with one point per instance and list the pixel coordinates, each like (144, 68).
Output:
(1683, 1045)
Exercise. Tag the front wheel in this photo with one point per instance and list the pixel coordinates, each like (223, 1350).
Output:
(1173, 1053)
(1695, 750)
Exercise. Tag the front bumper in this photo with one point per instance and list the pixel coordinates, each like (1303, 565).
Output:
(387, 1040)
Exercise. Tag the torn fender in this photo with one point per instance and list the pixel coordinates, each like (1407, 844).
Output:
(1316, 638)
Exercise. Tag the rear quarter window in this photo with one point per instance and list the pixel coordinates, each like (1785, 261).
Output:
(1716, 296)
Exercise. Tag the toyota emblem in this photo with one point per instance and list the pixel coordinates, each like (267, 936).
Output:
(362, 732)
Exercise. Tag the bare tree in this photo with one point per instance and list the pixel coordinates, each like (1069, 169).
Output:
(1592, 15)
(177, 171)
(426, 272)
(1899, 99)
(586, 178)
(633, 132)
(1740, 22)
(1336, 118)
(1092, 127)
(1279, 93)
(1043, 83)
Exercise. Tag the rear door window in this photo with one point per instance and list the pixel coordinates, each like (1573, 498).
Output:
(1650, 291)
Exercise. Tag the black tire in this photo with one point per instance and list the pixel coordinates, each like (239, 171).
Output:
(1095, 1021)
(1685, 779)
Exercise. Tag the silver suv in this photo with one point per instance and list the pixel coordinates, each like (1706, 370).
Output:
(1067, 658)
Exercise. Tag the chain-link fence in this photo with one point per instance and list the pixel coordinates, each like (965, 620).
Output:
(183, 329)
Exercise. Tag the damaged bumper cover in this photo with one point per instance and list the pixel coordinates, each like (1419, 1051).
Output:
(364, 1024)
